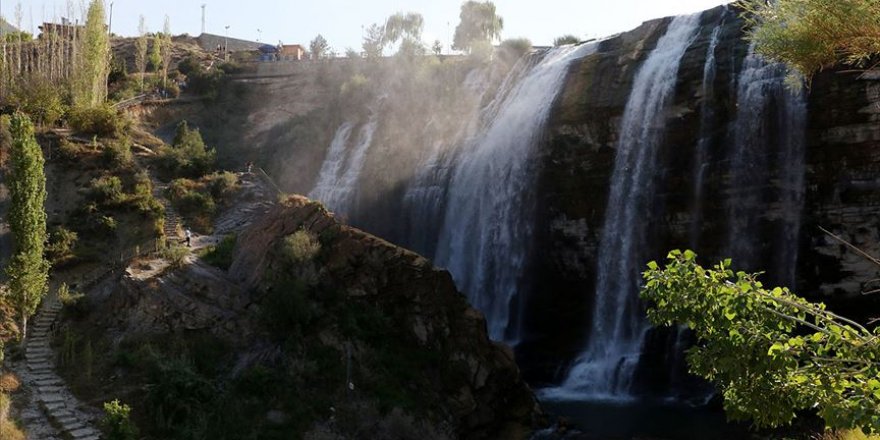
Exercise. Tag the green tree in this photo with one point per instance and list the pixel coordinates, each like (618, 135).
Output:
(141, 46)
(28, 270)
(374, 41)
(156, 53)
(437, 48)
(91, 85)
(319, 47)
(566, 39)
(480, 25)
(405, 28)
(810, 35)
(165, 50)
(769, 352)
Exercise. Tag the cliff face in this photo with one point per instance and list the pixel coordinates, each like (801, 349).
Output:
(486, 399)
(356, 337)
(839, 193)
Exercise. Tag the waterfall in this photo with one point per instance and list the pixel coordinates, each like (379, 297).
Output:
(770, 125)
(707, 121)
(339, 173)
(605, 368)
(424, 200)
(487, 228)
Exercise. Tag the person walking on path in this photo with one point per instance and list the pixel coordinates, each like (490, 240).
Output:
(188, 238)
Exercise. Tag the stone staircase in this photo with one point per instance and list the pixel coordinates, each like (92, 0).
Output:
(61, 407)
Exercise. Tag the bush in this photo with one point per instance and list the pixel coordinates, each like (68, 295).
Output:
(40, 99)
(301, 246)
(175, 254)
(107, 189)
(117, 153)
(222, 184)
(69, 151)
(514, 48)
(67, 296)
(116, 423)
(102, 121)
(188, 156)
(190, 65)
(61, 244)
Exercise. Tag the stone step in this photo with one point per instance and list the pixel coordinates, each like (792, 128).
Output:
(50, 397)
(83, 433)
(71, 424)
(54, 406)
(63, 413)
(45, 379)
(48, 389)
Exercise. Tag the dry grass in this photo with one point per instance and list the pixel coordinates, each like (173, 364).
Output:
(849, 435)
(9, 383)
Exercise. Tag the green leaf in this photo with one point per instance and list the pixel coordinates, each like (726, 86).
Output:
(653, 265)
(729, 314)
(775, 348)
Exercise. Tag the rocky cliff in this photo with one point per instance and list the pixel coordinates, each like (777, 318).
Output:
(342, 335)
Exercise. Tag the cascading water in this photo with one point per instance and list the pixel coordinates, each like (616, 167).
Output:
(605, 369)
(707, 121)
(770, 120)
(424, 200)
(487, 227)
(339, 173)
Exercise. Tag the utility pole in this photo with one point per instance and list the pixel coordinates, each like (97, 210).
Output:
(203, 17)
(226, 44)
(259, 35)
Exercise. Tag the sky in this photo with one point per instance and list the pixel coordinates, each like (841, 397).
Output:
(342, 22)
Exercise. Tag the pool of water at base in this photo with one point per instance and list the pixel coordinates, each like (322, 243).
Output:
(643, 420)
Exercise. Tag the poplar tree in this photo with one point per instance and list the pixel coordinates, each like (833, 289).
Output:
(140, 54)
(28, 270)
(91, 87)
(165, 50)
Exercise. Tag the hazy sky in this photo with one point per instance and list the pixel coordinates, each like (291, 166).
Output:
(341, 21)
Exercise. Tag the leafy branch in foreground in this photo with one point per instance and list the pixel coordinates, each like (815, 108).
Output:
(810, 35)
(769, 352)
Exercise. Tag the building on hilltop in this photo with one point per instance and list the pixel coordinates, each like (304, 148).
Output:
(65, 29)
(292, 52)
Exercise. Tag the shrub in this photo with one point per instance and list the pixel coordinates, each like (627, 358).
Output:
(40, 99)
(61, 244)
(222, 184)
(102, 121)
(188, 156)
(189, 65)
(67, 296)
(117, 424)
(107, 189)
(117, 153)
(301, 246)
(69, 151)
(8, 384)
(175, 254)
(514, 48)
(566, 39)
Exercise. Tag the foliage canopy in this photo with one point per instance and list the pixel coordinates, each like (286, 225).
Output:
(769, 352)
(810, 35)
(28, 270)
(479, 24)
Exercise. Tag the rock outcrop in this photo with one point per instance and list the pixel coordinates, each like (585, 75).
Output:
(422, 302)
(386, 310)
